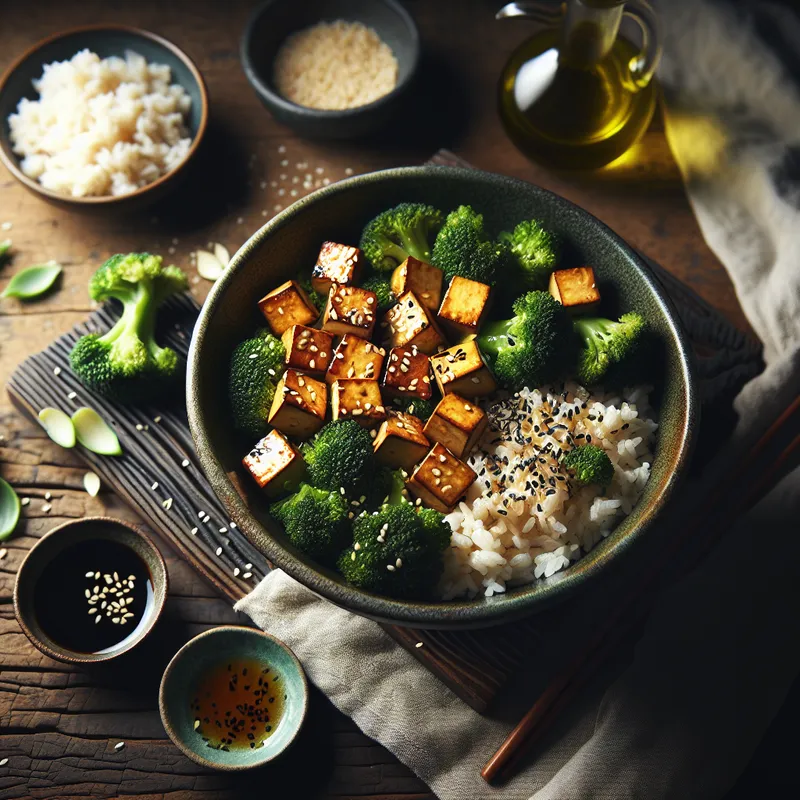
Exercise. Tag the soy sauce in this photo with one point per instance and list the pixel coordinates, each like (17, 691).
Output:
(92, 597)
(238, 704)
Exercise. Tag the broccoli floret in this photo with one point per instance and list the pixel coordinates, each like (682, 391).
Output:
(126, 364)
(380, 285)
(318, 299)
(534, 253)
(422, 409)
(529, 349)
(315, 521)
(589, 464)
(255, 369)
(399, 232)
(463, 248)
(340, 456)
(605, 343)
(396, 550)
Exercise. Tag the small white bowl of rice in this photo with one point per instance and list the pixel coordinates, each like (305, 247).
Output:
(101, 116)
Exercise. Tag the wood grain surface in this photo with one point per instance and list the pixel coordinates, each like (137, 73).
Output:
(58, 724)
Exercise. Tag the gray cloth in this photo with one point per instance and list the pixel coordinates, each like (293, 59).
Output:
(681, 717)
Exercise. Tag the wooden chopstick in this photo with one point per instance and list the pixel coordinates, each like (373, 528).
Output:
(563, 688)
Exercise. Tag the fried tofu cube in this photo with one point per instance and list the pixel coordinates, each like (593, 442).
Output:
(299, 406)
(350, 310)
(419, 277)
(336, 263)
(358, 399)
(400, 442)
(275, 464)
(461, 369)
(575, 289)
(441, 480)
(355, 357)
(286, 306)
(464, 307)
(457, 424)
(408, 374)
(308, 349)
(410, 323)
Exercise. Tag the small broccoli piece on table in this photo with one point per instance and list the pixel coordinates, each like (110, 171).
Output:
(126, 364)
(605, 343)
(255, 368)
(315, 521)
(397, 233)
(534, 252)
(463, 248)
(589, 464)
(383, 290)
(422, 409)
(530, 348)
(397, 551)
(340, 456)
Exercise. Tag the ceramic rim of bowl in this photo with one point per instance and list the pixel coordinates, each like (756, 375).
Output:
(11, 162)
(474, 612)
(65, 655)
(178, 741)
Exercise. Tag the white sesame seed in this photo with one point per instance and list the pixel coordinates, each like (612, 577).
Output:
(236, 572)
(56, 371)
(419, 644)
(72, 395)
(46, 507)
(193, 531)
(390, 567)
(185, 462)
(119, 745)
(167, 504)
(247, 575)
(154, 486)
(218, 551)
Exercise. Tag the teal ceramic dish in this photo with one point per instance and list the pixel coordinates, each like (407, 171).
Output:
(219, 647)
(338, 212)
(105, 40)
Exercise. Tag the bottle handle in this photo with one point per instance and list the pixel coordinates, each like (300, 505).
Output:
(549, 12)
(642, 66)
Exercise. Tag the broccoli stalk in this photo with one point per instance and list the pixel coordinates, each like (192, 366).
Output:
(397, 551)
(534, 251)
(605, 343)
(126, 364)
(589, 464)
(255, 370)
(463, 248)
(529, 348)
(380, 285)
(315, 521)
(340, 456)
(399, 232)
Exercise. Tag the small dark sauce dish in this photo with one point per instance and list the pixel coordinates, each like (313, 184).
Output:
(90, 590)
(272, 22)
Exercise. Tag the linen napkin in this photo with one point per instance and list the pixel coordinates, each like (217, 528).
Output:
(680, 718)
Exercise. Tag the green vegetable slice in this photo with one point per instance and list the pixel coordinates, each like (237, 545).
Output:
(33, 281)
(9, 510)
(58, 426)
(5, 246)
(94, 433)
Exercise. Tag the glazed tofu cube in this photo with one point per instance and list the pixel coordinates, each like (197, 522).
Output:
(308, 349)
(464, 307)
(461, 369)
(358, 399)
(457, 424)
(350, 310)
(441, 480)
(275, 464)
(410, 323)
(355, 357)
(336, 263)
(299, 406)
(400, 442)
(424, 280)
(408, 374)
(575, 289)
(286, 306)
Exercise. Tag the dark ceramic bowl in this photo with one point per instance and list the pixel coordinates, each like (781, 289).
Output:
(290, 243)
(106, 41)
(275, 20)
(209, 650)
(66, 535)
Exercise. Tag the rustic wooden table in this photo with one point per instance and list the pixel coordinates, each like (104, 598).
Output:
(59, 725)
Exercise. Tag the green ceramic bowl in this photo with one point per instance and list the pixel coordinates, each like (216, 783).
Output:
(291, 241)
(106, 40)
(208, 651)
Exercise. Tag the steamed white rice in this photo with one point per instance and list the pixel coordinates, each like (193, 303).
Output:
(101, 126)
(523, 520)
